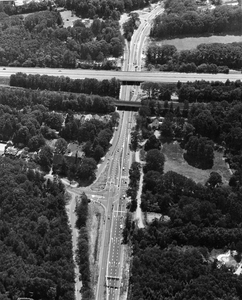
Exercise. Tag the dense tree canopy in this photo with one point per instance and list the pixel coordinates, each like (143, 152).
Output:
(40, 40)
(183, 18)
(109, 88)
(36, 247)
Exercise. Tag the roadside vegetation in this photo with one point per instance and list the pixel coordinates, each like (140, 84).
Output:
(83, 246)
(130, 25)
(134, 177)
(109, 88)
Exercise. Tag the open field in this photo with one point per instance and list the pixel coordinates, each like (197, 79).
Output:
(193, 42)
(68, 18)
(175, 162)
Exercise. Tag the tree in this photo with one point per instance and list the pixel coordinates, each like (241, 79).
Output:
(35, 142)
(214, 179)
(134, 141)
(86, 170)
(98, 153)
(154, 161)
(45, 158)
(60, 146)
(152, 143)
(54, 120)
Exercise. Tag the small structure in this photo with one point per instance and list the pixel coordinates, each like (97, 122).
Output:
(11, 151)
(155, 124)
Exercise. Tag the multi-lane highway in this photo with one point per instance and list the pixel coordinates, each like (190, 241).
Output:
(138, 76)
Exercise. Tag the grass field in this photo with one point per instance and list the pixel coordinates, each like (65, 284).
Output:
(175, 162)
(192, 43)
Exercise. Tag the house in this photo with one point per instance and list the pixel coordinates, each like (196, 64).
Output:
(155, 124)
(11, 151)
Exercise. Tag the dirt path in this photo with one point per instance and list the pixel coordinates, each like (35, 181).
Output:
(139, 214)
(70, 208)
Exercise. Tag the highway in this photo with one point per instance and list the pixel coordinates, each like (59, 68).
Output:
(125, 76)
(115, 257)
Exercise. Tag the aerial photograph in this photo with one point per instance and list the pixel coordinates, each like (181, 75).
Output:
(120, 149)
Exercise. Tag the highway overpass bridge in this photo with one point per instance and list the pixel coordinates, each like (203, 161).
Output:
(127, 105)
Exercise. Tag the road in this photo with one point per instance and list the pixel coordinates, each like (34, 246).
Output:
(114, 267)
(166, 77)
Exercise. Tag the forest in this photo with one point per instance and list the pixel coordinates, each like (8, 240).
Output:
(206, 58)
(40, 40)
(171, 258)
(36, 250)
(105, 87)
(184, 18)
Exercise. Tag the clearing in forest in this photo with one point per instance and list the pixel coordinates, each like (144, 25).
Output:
(192, 42)
(176, 162)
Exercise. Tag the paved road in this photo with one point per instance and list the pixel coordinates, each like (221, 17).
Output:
(168, 77)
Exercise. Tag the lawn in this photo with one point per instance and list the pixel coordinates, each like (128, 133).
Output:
(175, 162)
(192, 43)
(68, 19)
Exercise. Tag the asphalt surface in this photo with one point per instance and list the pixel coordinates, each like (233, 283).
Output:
(167, 77)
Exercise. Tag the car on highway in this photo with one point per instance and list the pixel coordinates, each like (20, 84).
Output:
(4, 68)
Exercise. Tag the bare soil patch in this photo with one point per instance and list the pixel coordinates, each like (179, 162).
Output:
(94, 227)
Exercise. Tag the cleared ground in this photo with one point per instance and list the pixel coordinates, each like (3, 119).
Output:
(192, 43)
(68, 18)
(94, 226)
(175, 162)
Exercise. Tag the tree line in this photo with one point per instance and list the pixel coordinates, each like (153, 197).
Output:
(55, 101)
(36, 247)
(83, 248)
(177, 22)
(40, 40)
(191, 92)
(134, 177)
(105, 87)
(206, 58)
(130, 25)
(105, 9)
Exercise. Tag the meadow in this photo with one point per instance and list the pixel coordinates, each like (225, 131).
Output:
(175, 162)
(192, 42)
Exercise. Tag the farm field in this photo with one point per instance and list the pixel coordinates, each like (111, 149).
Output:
(192, 43)
(175, 162)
